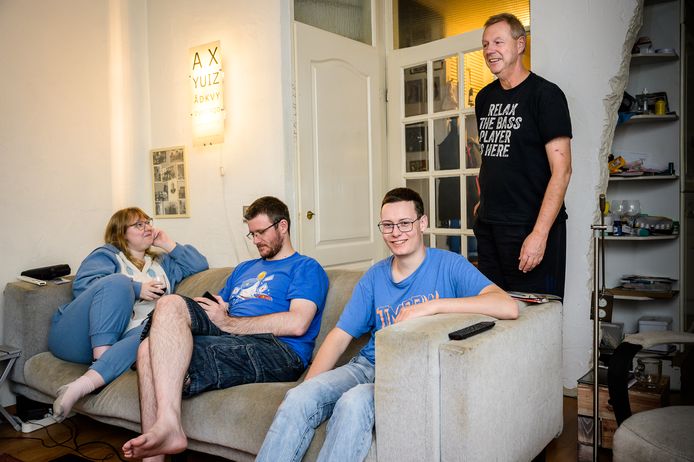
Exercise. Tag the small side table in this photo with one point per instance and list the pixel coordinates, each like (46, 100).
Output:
(9, 354)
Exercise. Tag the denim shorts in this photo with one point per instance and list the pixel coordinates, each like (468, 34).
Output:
(221, 360)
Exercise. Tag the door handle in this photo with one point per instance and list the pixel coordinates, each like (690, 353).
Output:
(309, 214)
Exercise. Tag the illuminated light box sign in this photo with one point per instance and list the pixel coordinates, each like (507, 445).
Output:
(206, 81)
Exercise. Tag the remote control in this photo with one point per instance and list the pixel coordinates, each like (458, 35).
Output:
(31, 280)
(469, 331)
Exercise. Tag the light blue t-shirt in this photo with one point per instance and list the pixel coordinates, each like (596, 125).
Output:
(377, 299)
(259, 287)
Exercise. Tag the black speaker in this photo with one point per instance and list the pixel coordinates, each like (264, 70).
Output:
(48, 273)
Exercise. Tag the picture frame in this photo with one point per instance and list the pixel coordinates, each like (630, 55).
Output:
(170, 182)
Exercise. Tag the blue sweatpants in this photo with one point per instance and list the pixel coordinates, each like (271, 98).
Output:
(98, 317)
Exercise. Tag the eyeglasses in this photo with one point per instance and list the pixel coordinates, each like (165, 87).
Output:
(254, 234)
(141, 224)
(404, 226)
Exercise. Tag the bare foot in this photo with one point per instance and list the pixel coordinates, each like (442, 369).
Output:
(156, 442)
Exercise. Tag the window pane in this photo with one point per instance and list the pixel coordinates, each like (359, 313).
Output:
(446, 144)
(472, 191)
(423, 21)
(472, 250)
(349, 18)
(477, 76)
(446, 84)
(448, 202)
(416, 147)
(427, 240)
(422, 187)
(415, 88)
(451, 243)
(473, 159)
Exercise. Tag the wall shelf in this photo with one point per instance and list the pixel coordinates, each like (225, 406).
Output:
(644, 177)
(651, 58)
(639, 295)
(658, 237)
(641, 118)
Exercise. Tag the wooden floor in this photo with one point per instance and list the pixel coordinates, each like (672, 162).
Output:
(100, 441)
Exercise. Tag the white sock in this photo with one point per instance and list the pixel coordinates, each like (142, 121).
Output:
(69, 393)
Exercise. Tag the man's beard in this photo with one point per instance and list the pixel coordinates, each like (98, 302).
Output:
(271, 248)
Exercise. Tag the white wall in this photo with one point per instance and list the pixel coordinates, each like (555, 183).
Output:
(55, 170)
(89, 86)
(581, 47)
(255, 50)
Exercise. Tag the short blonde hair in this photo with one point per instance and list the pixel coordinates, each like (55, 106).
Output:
(517, 29)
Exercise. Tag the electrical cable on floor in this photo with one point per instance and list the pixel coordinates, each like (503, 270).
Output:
(73, 435)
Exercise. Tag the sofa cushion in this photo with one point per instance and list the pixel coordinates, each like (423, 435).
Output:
(212, 279)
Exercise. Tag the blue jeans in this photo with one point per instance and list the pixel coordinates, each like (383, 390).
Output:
(98, 317)
(221, 360)
(345, 396)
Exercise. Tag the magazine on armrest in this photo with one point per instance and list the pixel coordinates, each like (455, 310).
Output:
(532, 297)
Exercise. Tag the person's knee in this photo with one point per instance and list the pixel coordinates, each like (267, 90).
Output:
(170, 305)
(303, 399)
(357, 404)
(118, 283)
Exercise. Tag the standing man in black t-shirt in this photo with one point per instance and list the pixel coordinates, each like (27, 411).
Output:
(525, 139)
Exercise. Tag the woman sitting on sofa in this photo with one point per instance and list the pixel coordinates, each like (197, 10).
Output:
(114, 290)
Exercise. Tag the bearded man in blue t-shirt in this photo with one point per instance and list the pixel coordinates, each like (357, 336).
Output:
(263, 324)
(414, 281)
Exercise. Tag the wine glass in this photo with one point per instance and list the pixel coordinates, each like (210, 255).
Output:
(632, 208)
(618, 208)
(160, 281)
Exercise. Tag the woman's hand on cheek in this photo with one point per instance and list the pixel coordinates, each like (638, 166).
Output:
(162, 240)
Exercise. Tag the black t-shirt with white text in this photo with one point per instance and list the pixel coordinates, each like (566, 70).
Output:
(514, 126)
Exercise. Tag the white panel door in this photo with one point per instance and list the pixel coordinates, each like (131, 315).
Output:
(340, 136)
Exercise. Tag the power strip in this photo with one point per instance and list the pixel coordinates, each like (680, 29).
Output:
(33, 425)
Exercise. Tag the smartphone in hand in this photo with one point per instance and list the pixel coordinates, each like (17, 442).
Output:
(209, 296)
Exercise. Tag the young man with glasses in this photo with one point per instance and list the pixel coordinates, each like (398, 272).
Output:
(414, 281)
(263, 324)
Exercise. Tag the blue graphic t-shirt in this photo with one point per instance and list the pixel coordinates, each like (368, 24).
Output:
(377, 299)
(259, 287)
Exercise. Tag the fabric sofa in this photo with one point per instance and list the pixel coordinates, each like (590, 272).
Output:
(494, 396)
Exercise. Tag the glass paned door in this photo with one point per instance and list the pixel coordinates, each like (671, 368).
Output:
(434, 140)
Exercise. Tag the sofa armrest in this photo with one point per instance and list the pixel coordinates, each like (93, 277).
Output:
(407, 393)
(475, 399)
(27, 317)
